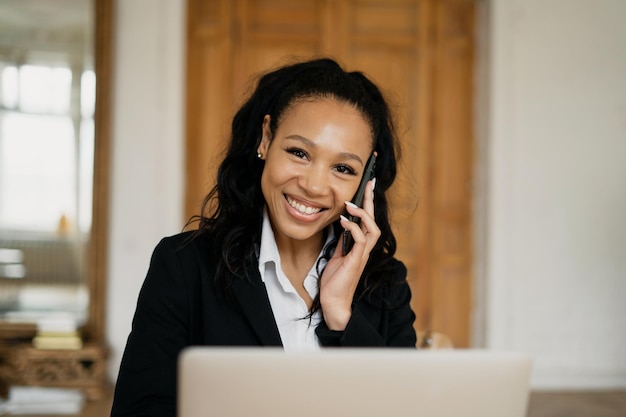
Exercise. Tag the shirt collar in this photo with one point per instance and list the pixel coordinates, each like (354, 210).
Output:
(268, 251)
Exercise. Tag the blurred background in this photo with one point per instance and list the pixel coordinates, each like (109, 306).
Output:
(549, 189)
(512, 190)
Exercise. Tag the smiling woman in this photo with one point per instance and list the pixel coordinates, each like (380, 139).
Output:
(313, 164)
(262, 269)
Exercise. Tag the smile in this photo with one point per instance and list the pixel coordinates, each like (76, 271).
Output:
(301, 207)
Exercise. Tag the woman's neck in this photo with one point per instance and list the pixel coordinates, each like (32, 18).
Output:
(299, 254)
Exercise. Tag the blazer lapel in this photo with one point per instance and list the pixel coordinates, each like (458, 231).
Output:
(255, 304)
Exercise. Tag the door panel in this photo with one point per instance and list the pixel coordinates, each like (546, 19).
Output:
(420, 52)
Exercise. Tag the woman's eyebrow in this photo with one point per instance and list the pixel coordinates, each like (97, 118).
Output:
(310, 143)
(302, 139)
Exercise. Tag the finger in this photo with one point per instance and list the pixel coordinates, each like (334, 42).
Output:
(358, 235)
(371, 231)
(364, 239)
(352, 227)
(366, 217)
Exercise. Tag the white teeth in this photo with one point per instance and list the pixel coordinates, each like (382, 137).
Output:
(301, 207)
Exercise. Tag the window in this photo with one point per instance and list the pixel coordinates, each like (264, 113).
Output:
(46, 148)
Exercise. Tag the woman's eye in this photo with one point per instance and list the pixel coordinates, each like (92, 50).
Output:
(298, 153)
(345, 169)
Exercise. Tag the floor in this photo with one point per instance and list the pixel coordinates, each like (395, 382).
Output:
(541, 404)
(577, 404)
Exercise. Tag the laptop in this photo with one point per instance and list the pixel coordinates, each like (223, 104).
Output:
(362, 382)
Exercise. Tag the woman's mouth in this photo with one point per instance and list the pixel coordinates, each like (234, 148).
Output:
(301, 208)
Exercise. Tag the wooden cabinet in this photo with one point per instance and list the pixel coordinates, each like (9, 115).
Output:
(421, 53)
(85, 368)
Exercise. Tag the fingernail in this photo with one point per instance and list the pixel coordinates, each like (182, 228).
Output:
(342, 217)
(351, 204)
(373, 183)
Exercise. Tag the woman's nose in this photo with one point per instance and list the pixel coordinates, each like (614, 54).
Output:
(315, 180)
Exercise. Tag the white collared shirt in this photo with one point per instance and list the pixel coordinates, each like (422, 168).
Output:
(290, 310)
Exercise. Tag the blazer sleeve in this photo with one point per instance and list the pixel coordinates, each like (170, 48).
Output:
(146, 383)
(394, 324)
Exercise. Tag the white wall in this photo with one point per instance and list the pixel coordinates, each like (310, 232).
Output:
(147, 151)
(552, 141)
(556, 199)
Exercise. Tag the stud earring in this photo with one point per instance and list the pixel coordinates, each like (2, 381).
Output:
(259, 155)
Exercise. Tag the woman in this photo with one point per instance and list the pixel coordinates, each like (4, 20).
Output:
(262, 269)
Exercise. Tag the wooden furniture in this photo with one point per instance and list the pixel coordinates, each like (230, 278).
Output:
(85, 368)
(421, 53)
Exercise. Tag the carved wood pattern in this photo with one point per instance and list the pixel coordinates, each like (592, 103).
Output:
(84, 368)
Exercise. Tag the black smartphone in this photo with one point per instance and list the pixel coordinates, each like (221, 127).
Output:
(368, 174)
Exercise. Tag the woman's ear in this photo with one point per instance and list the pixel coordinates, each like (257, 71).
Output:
(266, 137)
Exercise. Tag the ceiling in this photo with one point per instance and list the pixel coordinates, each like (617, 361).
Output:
(45, 24)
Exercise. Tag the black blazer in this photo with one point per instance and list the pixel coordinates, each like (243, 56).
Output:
(179, 306)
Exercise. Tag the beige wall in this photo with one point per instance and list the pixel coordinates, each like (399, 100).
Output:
(147, 150)
(554, 154)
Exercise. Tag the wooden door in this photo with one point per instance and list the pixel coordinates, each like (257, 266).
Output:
(421, 53)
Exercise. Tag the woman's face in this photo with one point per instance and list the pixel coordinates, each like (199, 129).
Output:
(313, 165)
